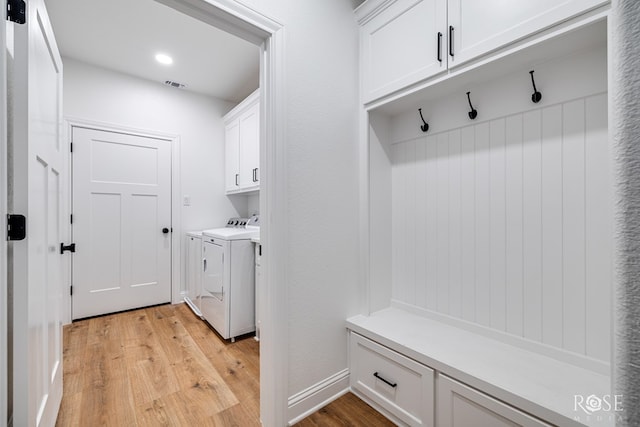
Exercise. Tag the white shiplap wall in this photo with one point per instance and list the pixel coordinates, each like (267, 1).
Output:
(507, 223)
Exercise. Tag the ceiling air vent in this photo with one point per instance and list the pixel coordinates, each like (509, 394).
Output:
(174, 84)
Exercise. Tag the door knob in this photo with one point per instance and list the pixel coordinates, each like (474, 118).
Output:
(165, 230)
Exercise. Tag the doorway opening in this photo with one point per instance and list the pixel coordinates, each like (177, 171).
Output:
(267, 35)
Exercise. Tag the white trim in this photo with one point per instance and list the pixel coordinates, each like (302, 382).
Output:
(243, 106)
(370, 9)
(274, 235)
(176, 190)
(319, 395)
(3, 213)
(248, 24)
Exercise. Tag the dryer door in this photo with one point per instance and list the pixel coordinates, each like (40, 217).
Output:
(213, 302)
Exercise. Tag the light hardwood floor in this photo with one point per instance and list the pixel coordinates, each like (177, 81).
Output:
(162, 366)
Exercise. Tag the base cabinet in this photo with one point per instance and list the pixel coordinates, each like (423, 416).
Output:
(463, 406)
(412, 394)
(396, 383)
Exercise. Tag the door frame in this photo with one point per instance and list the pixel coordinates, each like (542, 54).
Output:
(4, 320)
(234, 17)
(176, 220)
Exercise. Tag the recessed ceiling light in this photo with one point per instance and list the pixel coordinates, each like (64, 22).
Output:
(164, 59)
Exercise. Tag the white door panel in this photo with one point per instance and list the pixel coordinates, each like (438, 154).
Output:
(482, 26)
(214, 303)
(232, 156)
(400, 46)
(121, 203)
(250, 147)
(36, 190)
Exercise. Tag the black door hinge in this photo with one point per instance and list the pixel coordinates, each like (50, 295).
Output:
(71, 248)
(71, 147)
(71, 290)
(71, 219)
(16, 11)
(16, 227)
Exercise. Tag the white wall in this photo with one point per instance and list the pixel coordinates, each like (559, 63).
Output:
(506, 221)
(625, 134)
(100, 95)
(321, 53)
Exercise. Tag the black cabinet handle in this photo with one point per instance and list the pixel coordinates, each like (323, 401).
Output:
(165, 230)
(237, 179)
(70, 248)
(439, 47)
(394, 385)
(451, 40)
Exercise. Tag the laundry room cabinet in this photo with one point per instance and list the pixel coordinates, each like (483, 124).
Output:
(242, 146)
(404, 42)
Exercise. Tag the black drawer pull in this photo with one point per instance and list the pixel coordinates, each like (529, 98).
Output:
(451, 40)
(394, 385)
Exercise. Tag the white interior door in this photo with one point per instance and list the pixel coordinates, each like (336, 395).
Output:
(36, 190)
(121, 222)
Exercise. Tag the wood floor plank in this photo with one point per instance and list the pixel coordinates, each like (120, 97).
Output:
(163, 366)
(149, 370)
(200, 382)
(237, 416)
(237, 363)
(348, 410)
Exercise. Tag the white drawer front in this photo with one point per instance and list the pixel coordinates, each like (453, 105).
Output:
(400, 385)
(463, 406)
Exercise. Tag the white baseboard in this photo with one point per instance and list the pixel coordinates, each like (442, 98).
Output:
(308, 401)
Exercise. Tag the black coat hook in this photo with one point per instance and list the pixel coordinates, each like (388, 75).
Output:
(425, 126)
(537, 96)
(473, 113)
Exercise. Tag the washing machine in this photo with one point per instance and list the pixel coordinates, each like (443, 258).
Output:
(228, 282)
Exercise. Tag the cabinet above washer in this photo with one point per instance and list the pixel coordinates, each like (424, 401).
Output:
(242, 146)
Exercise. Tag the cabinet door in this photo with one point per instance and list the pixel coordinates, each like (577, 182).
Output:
(462, 406)
(232, 155)
(399, 46)
(482, 26)
(250, 147)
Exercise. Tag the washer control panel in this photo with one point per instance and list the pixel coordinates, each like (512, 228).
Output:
(237, 222)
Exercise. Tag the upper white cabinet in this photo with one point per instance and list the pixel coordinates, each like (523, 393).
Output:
(232, 155)
(250, 147)
(479, 27)
(403, 42)
(242, 146)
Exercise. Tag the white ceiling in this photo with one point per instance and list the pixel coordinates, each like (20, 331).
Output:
(125, 36)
